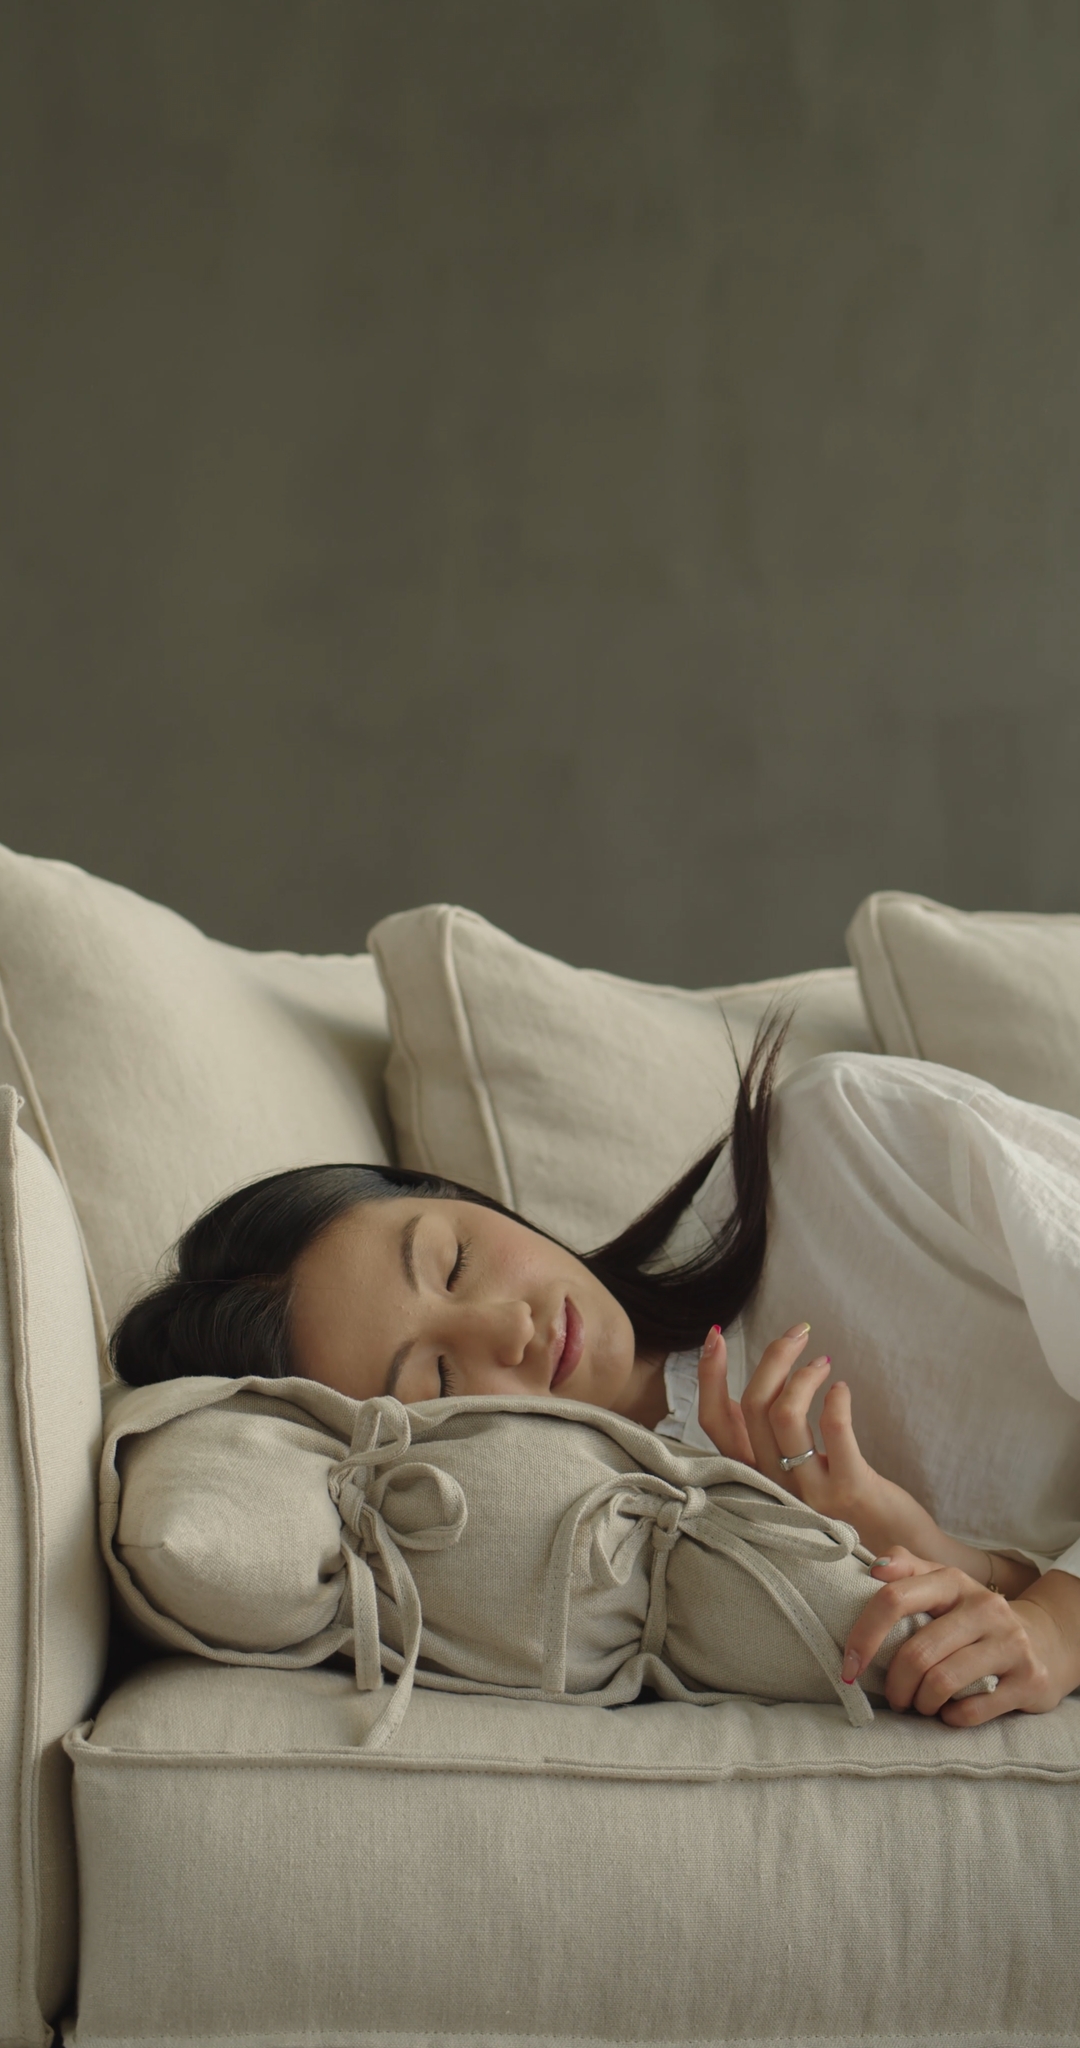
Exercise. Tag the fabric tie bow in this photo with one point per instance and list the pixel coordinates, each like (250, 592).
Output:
(417, 1507)
(742, 1529)
(388, 1507)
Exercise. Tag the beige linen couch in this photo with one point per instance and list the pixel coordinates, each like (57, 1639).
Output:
(197, 1854)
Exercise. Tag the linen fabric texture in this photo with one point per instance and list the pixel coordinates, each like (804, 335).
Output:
(510, 1874)
(573, 1096)
(994, 993)
(925, 1224)
(54, 1587)
(162, 1069)
(532, 1549)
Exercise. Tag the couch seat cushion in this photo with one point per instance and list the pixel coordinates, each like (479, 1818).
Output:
(519, 1872)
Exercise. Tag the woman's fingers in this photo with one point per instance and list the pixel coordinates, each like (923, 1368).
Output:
(720, 1417)
(847, 1466)
(973, 1633)
(900, 1564)
(927, 1591)
(982, 1706)
(939, 1658)
(759, 1401)
(772, 1421)
(789, 1416)
(948, 1673)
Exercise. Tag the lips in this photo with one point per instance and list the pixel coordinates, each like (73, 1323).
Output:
(570, 1337)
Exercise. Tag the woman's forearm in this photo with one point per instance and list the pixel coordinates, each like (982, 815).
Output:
(1010, 1575)
(896, 1517)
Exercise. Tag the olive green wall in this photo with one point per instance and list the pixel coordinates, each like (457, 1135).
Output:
(611, 463)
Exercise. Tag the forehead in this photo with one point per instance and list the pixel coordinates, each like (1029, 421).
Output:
(363, 1245)
(349, 1286)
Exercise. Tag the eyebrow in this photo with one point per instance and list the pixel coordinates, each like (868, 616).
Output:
(408, 1267)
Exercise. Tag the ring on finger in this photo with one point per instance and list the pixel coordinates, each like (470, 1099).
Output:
(788, 1464)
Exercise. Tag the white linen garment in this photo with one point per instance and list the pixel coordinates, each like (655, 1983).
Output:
(927, 1227)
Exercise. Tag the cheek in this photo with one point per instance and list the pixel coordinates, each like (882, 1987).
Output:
(614, 1335)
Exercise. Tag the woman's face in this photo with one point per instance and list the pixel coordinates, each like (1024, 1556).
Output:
(419, 1297)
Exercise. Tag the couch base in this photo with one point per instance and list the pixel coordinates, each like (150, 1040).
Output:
(549, 1875)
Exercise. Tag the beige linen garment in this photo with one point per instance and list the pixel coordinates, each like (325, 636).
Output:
(526, 1548)
(927, 1226)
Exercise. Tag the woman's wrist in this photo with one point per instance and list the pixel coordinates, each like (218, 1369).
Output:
(896, 1517)
(1009, 1575)
(889, 1515)
(1055, 1598)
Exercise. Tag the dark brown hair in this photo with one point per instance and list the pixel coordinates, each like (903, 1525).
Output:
(224, 1308)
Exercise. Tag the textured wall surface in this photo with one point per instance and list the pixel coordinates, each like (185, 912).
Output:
(611, 463)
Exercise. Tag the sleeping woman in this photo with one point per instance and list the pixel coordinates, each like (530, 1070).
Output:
(924, 1225)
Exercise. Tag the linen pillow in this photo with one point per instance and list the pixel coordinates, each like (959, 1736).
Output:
(572, 1095)
(530, 1548)
(994, 993)
(163, 1069)
(214, 1515)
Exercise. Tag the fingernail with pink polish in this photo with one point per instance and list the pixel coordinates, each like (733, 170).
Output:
(850, 1671)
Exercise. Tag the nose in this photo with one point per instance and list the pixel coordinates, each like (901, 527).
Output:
(492, 1333)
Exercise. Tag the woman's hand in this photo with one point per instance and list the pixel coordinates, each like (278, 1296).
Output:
(1032, 1643)
(772, 1421)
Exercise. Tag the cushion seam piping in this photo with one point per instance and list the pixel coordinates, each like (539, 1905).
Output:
(101, 1755)
(49, 1142)
(30, 1903)
(488, 1120)
(900, 1008)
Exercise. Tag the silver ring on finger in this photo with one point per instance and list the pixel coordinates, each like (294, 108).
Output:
(788, 1464)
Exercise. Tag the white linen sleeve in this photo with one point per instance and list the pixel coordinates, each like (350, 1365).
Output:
(1069, 1561)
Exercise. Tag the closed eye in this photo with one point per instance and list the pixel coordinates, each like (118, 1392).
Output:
(446, 1385)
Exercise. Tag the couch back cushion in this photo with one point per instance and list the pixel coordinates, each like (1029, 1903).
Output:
(572, 1095)
(163, 1069)
(995, 993)
(53, 1599)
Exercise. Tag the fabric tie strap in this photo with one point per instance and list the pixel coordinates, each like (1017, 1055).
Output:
(718, 1528)
(417, 1506)
(739, 1528)
(388, 1507)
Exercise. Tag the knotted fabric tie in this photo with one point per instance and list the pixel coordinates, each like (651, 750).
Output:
(424, 1508)
(740, 1528)
(744, 1531)
(387, 1507)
